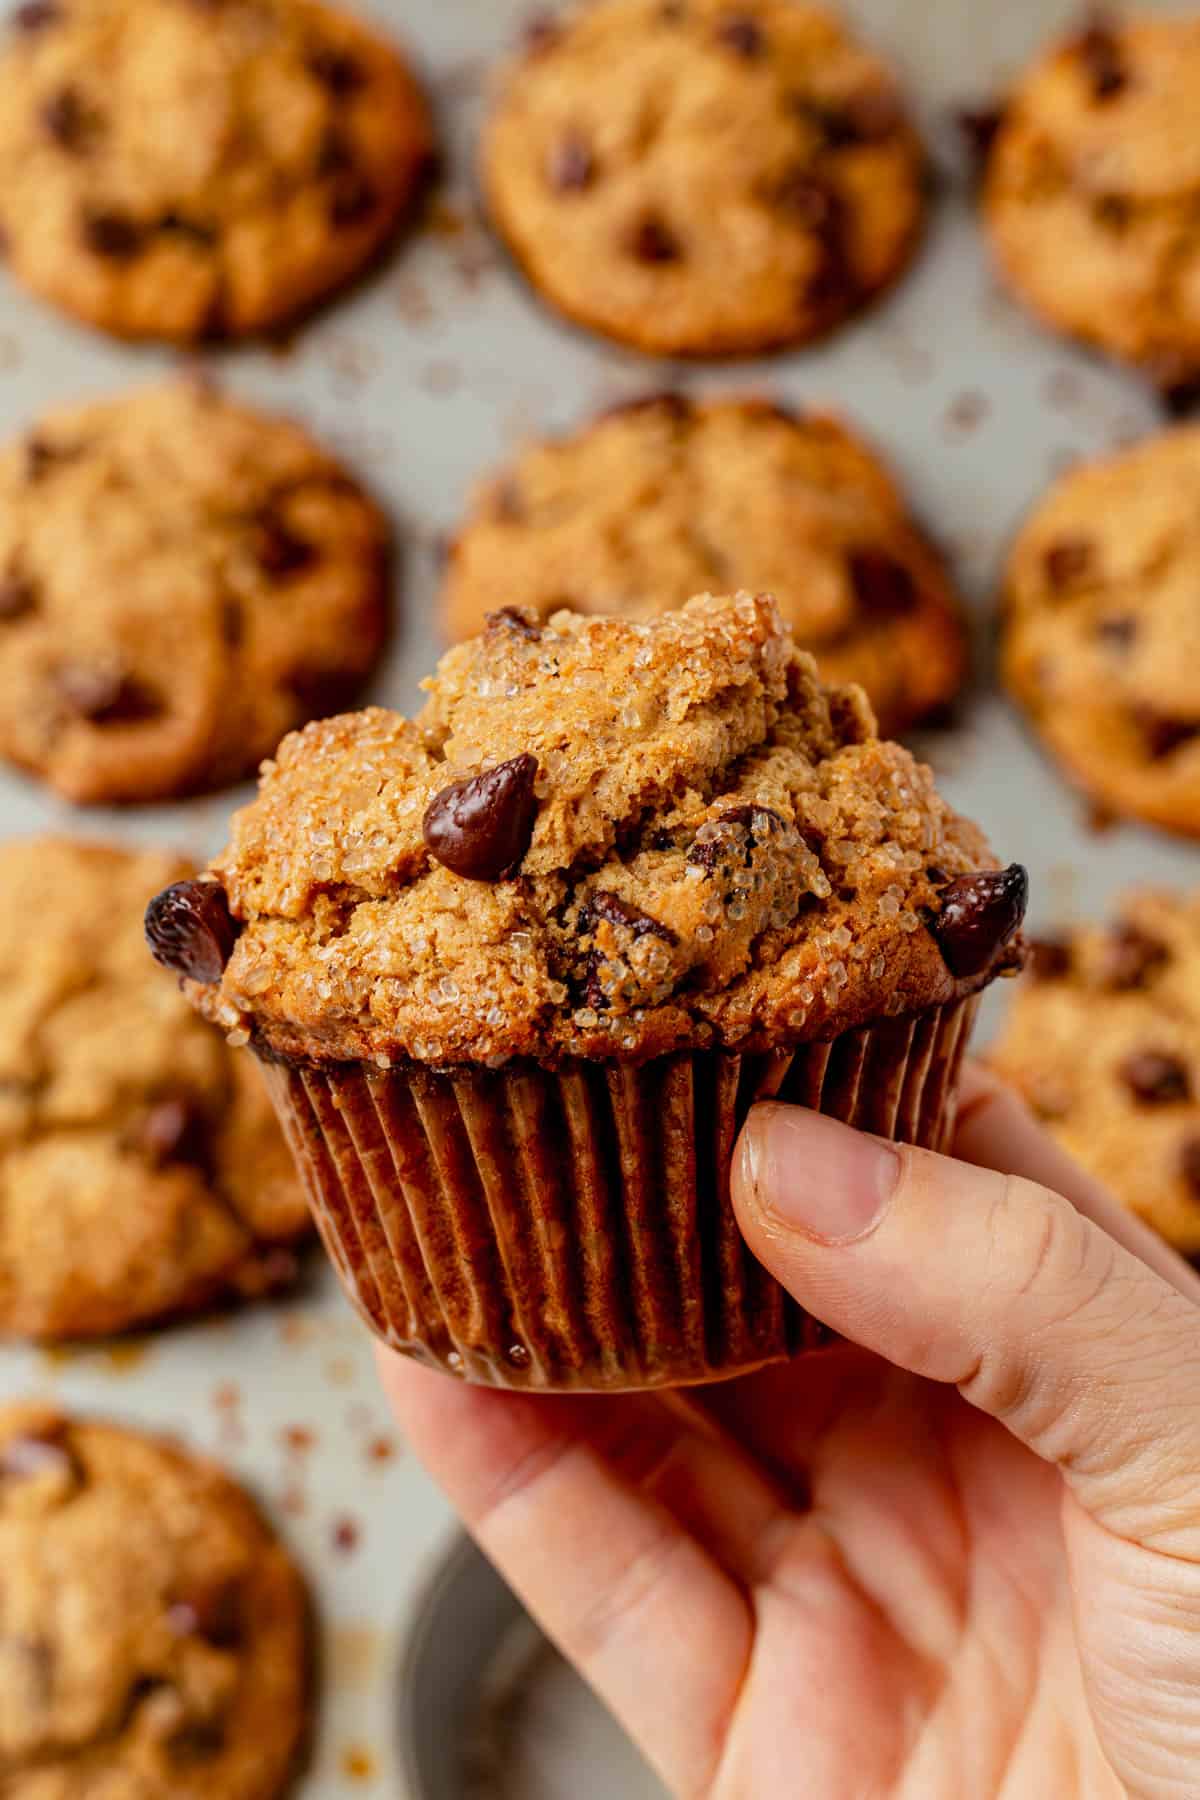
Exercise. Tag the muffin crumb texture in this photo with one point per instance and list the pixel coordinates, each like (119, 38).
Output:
(721, 853)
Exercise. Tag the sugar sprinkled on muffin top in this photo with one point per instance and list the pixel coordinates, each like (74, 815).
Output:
(599, 838)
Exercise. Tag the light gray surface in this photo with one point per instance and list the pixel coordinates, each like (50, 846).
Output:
(422, 378)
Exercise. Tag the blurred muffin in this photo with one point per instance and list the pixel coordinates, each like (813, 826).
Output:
(1103, 1039)
(153, 1631)
(142, 1173)
(703, 179)
(182, 580)
(1089, 191)
(663, 497)
(201, 170)
(1102, 629)
(518, 970)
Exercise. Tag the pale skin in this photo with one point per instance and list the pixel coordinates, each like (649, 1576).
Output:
(959, 1560)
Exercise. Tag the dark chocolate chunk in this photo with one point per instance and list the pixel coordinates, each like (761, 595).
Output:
(41, 456)
(1118, 632)
(353, 199)
(18, 597)
(1104, 66)
(867, 118)
(1068, 561)
(979, 915)
(105, 694)
(481, 827)
(817, 208)
(742, 34)
(1156, 1078)
(1050, 958)
(278, 550)
(511, 618)
(113, 235)
(1113, 211)
(334, 153)
(1162, 734)
(70, 122)
(979, 127)
(757, 822)
(190, 929)
(341, 73)
(883, 587)
(175, 1130)
(1131, 956)
(570, 166)
(651, 241)
(615, 911)
(36, 15)
(214, 1614)
(174, 224)
(1189, 1163)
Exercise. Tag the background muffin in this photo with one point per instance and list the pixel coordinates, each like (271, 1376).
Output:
(188, 171)
(1102, 629)
(182, 580)
(663, 497)
(511, 967)
(703, 179)
(142, 1173)
(1103, 1039)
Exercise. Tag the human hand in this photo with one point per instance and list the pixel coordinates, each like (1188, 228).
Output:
(961, 1560)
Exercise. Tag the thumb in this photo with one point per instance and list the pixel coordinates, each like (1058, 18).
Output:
(998, 1285)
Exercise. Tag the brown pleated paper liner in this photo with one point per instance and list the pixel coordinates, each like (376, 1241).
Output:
(571, 1229)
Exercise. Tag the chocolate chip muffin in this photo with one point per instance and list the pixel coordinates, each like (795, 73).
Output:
(662, 496)
(1103, 1039)
(142, 1172)
(1102, 630)
(180, 170)
(700, 178)
(517, 970)
(182, 580)
(1090, 189)
(153, 1631)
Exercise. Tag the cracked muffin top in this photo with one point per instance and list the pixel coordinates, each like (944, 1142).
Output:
(600, 838)
(153, 1633)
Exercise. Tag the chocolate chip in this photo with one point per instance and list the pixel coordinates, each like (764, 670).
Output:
(1177, 381)
(1113, 211)
(1118, 632)
(1068, 561)
(613, 910)
(41, 456)
(570, 166)
(541, 33)
(336, 70)
(1189, 1163)
(1100, 54)
(353, 200)
(68, 121)
(18, 597)
(979, 915)
(817, 208)
(868, 118)
(334, 153)
(190, 929)
(195, 231)
(511, 618)
(1130, 957)
(105, 694)
(651, 241)
(672, 12)
(883, 587)
(979, 127)
(716, 847)
(741, 34)
(113, 235)
(175, 1131)
(481, 827)
(1163, 735)
(1156, 1078)
(214, 1614)
(36, 15)
(1050, 958)
(278, 550)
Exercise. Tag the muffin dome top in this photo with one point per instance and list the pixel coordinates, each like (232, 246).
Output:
(599, 838)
